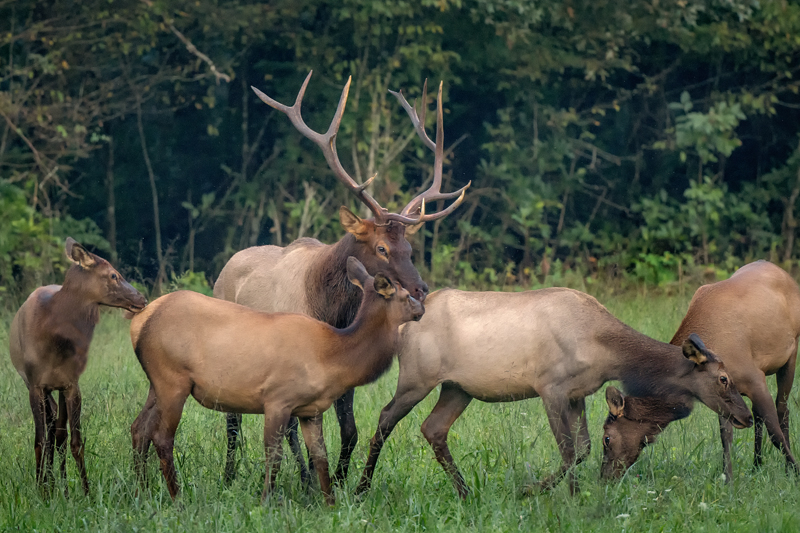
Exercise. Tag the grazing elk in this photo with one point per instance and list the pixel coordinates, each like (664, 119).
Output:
(558, 344)
(232, 358)
(310, 277)
(49, 345)
(752, 320)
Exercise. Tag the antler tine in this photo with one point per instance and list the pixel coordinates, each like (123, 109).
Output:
(434, 192)
(416, 120)
(326, 141)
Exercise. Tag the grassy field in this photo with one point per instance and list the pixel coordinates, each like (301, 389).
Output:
(675, 486)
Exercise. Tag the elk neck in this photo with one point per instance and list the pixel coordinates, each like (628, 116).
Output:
(366, 347)
(331, 297)
(647, 367)
(72, 314)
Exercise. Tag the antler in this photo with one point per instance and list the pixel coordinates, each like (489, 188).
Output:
(327, 142)
(433, 193)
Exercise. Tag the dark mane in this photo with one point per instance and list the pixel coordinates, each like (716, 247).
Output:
(330, 295)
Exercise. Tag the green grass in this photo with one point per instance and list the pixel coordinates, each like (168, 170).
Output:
(675, 486)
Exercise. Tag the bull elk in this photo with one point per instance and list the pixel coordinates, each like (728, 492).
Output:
(234, 359)
(752, 320)
(49, 345)
(310, 277)
(557, 344)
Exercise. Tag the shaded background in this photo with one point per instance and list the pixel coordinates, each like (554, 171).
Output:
(646, 141)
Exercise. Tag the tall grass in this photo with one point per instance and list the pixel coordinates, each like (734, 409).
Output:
(676, 484)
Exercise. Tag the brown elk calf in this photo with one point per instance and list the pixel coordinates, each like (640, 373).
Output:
(234, 359)
(752, 320)
(49, 344)
(558, 344)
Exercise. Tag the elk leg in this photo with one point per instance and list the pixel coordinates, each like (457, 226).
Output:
(403, 402)
(275, 424)
(785, 380)
(50, 409)
(297, 451)
(233, 425)
(452, 402)
(169, 408)
(61, 437)
(315, 442)
(349, 434)
(565, 418)
(73, 404)
(764, 408)
(142, 435)
(38, 400)
(726, 436)
(584, 442)
(758, 439)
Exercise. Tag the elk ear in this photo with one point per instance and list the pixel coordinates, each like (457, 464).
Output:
(78, 254)
(615, 401)
(384, 286)
(353, 224)
(695, 350)
(356, 272)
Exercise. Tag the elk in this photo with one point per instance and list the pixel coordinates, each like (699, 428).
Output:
(752, 320)
(235, 359)
(310, 277)
(558, 344)
(49, 346)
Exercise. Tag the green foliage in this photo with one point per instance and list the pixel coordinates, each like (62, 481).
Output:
(191, 281)
(32, 246)
(596, 134)
(706, 133)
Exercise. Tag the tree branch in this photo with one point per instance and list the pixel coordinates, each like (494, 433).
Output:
(192, 48)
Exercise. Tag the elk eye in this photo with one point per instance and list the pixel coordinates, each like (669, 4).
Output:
(382, 250)
(114, 276)
(606, 440)
(723, 380)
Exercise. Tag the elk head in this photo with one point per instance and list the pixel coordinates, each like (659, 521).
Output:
(632, 424)
(381, 239)
(404, 307)
(99, 281)
(712, 384)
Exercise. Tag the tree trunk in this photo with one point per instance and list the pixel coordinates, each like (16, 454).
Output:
(111, 208)
(162, 271)
(789, 222)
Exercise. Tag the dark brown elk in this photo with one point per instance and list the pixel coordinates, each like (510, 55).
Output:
(557, 344)
(234, 359)
(49, 344)
(310, 277)
(752, 320)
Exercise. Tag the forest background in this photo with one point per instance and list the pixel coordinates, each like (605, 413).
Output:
(648, 141)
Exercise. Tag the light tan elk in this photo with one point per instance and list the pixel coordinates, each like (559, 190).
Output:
(309, 277)
(558, 344)
(49, 345)
(752, 320)
(232, 358)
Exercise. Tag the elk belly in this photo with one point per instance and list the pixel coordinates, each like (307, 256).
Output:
(230, 401)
